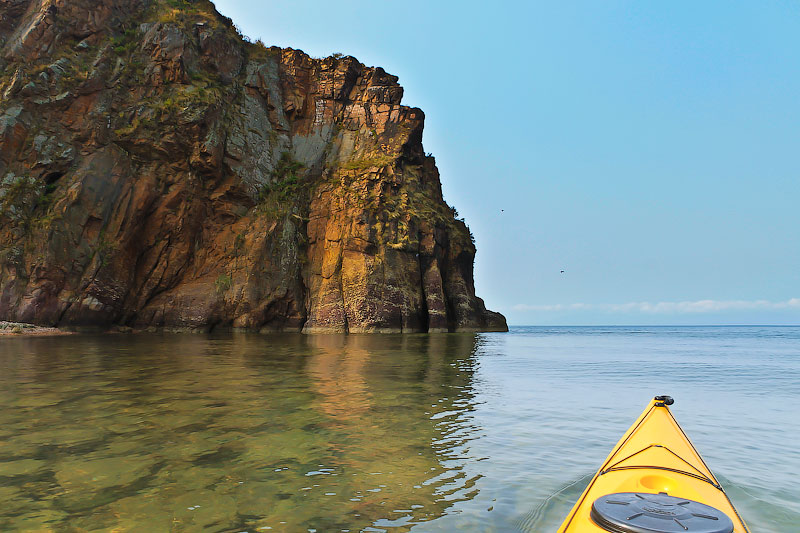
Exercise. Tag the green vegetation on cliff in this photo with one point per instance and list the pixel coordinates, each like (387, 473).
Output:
(158, 169)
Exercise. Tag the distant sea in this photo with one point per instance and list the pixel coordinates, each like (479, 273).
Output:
(467, 432)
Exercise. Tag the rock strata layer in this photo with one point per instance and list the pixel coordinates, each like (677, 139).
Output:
(159, 170)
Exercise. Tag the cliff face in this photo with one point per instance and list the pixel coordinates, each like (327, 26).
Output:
(158, 170)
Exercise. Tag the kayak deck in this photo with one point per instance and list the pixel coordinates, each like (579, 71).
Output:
(653, 457)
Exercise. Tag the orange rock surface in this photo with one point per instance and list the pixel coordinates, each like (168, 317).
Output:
(157, 169)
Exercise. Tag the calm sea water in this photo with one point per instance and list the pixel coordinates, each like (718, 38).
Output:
(486, 432)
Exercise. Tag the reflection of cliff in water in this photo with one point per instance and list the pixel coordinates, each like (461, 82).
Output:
(186, 432)
(397, 409)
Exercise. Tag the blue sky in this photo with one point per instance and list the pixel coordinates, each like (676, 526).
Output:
(651, 150)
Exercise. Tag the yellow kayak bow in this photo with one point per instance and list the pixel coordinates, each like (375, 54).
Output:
(654, 481)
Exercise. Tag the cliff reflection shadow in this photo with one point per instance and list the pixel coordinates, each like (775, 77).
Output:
(235, 433)
(396, 415)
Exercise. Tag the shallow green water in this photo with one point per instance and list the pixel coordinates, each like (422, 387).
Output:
(376, 433)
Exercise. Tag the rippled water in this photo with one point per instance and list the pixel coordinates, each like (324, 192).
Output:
(486, 432)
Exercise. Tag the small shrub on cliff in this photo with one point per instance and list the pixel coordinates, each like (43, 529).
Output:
(19, 198)
(284, 180)
(124, 43)
(238, 244)
(241, 35)
(104, 250)
(26, 204)
(223, 283)
(285, 187)
(12, 256)
(127, 130)
(287, 166)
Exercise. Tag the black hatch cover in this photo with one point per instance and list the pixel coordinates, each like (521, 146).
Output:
(635, 512)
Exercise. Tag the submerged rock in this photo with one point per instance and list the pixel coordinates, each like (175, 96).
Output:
(158, 170)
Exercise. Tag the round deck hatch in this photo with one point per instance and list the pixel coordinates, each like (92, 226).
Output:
(638, 512)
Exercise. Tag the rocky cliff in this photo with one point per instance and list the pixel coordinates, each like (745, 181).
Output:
(160, 170)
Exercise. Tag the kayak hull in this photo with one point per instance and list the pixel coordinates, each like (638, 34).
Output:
(653, 457)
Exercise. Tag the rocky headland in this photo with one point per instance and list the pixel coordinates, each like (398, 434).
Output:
(157, 169)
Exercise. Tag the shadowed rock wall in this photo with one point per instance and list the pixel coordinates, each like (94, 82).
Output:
(156, 169)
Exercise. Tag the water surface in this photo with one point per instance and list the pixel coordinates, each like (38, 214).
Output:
(484, 432)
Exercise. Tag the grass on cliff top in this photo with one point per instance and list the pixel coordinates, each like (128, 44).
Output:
(183, 11)
(186, 12)
(260, 51)
(367, 162)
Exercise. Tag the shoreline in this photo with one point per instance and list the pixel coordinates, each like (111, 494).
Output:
(22, 329)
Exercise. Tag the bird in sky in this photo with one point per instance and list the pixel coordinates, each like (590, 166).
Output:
(562, 271)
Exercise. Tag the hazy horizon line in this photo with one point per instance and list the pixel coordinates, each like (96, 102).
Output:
(682, 307)
(654, 325)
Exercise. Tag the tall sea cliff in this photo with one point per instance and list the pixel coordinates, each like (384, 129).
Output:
(159, 170)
